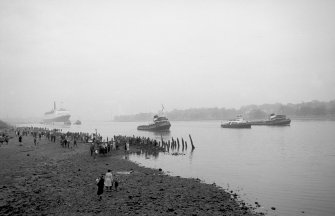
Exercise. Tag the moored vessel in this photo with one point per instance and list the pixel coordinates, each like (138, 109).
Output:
(238, 122)
(280, 120)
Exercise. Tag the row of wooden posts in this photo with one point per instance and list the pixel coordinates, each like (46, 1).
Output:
(175, 144)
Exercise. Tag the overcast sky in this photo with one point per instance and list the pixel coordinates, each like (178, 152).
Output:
(104, 58)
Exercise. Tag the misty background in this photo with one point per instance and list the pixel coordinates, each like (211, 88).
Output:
(101, 59)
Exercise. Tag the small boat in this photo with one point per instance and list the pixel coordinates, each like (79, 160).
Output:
(160, 123)
(280, 120)
(238, 122)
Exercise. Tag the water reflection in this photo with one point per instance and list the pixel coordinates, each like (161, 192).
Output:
(165, 134)
(148, 154)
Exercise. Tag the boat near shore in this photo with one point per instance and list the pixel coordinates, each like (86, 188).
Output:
(274, 120)
(238, 122)
(160, 123)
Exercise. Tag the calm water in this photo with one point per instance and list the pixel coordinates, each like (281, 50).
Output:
(291, 168)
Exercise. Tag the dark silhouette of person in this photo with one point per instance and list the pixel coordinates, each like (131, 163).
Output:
(101, 184)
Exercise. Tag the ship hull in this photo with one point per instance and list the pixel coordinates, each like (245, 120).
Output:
(237, 126)
(63, 118)
(281, 122)
(160, 126)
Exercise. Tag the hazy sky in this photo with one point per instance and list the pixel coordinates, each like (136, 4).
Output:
(103, 58)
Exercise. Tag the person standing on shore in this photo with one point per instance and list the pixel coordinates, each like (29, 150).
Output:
(20, 139)
(92, 149)
(100, 186)
(96, 152)
(127, 147)
(109, 180)
(6, 139)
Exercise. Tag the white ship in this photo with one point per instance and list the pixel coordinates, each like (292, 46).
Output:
(57, 115)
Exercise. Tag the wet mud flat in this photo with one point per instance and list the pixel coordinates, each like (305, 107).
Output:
(51, 180)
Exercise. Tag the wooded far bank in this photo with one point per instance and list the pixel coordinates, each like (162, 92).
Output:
(306, 110)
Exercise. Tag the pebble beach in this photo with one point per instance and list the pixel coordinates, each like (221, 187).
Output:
(47, 179)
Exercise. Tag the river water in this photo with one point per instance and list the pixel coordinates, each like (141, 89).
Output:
(291, 168)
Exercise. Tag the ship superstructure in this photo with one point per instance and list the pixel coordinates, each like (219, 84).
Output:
(57, 115)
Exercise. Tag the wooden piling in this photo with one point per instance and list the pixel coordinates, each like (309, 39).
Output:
(191, 142)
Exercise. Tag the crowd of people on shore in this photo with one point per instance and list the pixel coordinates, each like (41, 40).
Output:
(98, 145)
(105, 147)
(53, 135)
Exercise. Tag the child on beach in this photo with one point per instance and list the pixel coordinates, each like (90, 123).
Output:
(96, 152)
(116, 184)
(100, 185)
(109, 180)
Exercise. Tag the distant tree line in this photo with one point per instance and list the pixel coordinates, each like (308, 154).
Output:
(3, 125)
(313, 109)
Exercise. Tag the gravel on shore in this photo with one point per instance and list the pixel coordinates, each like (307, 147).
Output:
(50, 180)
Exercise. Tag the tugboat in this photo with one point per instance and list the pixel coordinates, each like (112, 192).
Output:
(160, 123)
(238, 122)
(280, 120)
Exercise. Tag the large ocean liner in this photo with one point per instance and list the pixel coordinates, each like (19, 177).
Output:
(57, 115)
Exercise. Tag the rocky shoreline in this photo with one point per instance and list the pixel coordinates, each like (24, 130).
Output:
(50, 180)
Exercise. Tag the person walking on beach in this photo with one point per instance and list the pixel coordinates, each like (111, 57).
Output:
(92, 149)
(127, 146)
(96, 152)
(116, 183)
(20, 139)
(35, 140)
(100, 186)
(6, 139)
(109, 180)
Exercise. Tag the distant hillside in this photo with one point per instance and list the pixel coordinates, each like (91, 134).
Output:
(3, 125)
(313, 109)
